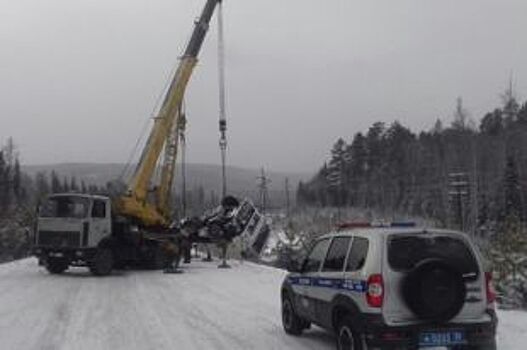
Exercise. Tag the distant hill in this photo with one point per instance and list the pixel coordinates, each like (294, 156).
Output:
(240, 181)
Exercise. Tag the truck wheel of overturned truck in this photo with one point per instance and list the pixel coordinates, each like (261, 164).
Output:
(56, 265)
(102, 263)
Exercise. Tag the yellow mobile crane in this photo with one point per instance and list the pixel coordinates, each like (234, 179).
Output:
(135, 203)
(94, 231)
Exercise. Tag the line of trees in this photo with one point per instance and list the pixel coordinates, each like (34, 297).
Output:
(10, 176)
(14, 221)
(461, 175)
(45, 184)
(19, 196)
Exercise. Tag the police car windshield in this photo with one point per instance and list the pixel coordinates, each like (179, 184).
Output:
(406, 251)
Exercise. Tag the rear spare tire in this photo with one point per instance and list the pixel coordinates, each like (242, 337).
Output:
(434, 290)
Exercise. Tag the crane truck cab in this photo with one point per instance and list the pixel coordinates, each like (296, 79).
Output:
(74, 230)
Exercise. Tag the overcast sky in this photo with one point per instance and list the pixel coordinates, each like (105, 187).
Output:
(78, 79)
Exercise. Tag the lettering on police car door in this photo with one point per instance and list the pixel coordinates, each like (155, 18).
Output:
(333, 283)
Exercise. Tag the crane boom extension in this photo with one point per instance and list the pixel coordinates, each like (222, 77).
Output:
(135, 203)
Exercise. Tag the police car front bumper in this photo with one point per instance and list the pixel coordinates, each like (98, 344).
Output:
(378, 335)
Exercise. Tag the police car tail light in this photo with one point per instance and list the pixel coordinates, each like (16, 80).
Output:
(375, 293)
(489, 287)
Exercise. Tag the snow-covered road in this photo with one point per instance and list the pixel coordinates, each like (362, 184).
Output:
(204, 308)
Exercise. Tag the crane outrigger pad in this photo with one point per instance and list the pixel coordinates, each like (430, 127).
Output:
(174, 271)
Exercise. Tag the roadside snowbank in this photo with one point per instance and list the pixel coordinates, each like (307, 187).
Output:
(203, 308)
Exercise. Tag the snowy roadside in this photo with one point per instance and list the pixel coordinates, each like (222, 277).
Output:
(203, 308)
(512, 330)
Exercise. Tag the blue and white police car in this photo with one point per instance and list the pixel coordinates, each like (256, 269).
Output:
(393, 287)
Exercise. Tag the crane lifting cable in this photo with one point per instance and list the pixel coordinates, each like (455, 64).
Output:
(221, 82)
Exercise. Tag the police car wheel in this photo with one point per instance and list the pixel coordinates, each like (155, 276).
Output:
(347, 339)
(291, 322)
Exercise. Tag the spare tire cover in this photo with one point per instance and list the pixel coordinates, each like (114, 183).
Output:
(434, 290)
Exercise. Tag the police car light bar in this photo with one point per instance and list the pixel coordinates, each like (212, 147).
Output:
(352, 225)
(403, 224)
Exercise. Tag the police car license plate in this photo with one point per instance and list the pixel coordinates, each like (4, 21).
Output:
(435, 339)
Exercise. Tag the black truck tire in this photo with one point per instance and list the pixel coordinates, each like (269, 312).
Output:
(102, 263)
(56, 265)
(434, 290)
(158, 258)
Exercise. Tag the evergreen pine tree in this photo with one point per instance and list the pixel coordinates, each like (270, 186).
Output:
(335, 172)
(4, 185)
(42, 185)
(511, 107)
(512, 191)
(73, 185)
(56, 187)
(17, 179)
(65, 185)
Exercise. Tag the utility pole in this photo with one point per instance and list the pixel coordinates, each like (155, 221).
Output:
(263, 194)
(287, 199)
(459, 191)
(221, 87)
(474, 189)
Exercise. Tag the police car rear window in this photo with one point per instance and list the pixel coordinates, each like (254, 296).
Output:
(405, 252)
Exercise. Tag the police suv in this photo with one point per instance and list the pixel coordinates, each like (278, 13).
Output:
(393, 287)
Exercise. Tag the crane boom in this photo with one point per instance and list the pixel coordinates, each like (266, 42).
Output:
(169, 164)
(135, 203)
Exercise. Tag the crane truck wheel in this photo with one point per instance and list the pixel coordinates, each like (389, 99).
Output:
(56, 265)
(102, 263)
(157, 259)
